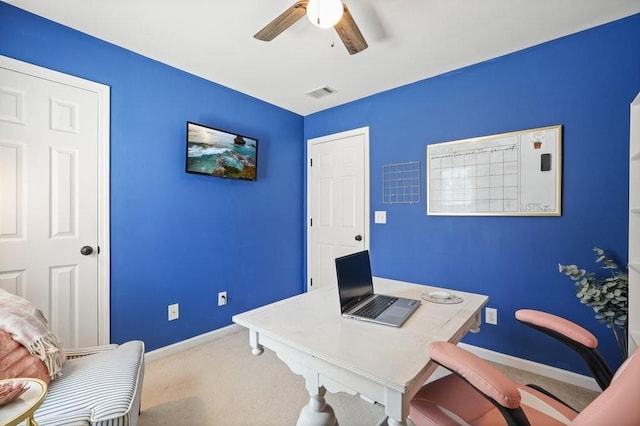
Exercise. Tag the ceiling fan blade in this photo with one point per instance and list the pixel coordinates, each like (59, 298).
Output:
(349, 33)
(282, 22)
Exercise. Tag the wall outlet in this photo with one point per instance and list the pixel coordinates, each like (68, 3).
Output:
(491, 316)
(222, 298)
(174, 312)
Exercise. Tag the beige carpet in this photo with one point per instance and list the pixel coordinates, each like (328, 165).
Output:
(222, 383)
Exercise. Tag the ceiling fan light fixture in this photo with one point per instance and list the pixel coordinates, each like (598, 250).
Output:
(324, 13)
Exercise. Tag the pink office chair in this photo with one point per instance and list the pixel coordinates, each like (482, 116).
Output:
(477, 394)
(576, 337)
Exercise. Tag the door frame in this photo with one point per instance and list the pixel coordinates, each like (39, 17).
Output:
(366, 178)
(104, 258)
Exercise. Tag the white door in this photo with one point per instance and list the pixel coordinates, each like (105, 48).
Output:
(52, 133)
(338, 202)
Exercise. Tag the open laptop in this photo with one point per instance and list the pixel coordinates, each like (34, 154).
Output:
(357, 299)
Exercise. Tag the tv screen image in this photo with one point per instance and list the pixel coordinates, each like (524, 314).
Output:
(216, 152)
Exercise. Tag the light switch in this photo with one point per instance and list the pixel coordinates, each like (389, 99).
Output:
(380, 217)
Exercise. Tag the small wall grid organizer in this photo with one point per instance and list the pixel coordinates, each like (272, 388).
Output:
(401, 183)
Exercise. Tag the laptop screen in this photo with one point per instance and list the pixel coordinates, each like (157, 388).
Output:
(354, 278)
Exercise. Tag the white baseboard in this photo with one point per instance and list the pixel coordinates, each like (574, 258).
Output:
(508, 360)
(570, 377)
(192, 342)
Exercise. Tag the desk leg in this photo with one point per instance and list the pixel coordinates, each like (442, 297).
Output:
(254, 342)
(396, 407)
(317, 412)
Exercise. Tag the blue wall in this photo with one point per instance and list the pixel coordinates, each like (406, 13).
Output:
(585, 82)
(177, 237)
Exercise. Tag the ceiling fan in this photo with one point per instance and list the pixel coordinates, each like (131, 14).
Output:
(341, 20)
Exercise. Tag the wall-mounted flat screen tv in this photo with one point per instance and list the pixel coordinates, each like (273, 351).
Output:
(216, 152)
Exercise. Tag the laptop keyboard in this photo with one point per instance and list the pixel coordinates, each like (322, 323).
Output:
(375, 307)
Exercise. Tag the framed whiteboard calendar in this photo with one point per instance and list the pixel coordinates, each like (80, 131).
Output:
(508, 174)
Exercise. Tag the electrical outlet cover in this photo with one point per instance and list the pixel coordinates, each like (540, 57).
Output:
(222, 298)
(174, 312)
(491, 316)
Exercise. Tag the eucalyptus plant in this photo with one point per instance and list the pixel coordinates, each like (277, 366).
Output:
(607, 294)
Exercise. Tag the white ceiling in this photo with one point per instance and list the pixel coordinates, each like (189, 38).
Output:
(409, 40)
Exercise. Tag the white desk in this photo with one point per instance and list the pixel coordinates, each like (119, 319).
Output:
(384, 364)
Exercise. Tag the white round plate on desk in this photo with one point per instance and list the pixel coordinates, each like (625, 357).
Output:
(440, 296)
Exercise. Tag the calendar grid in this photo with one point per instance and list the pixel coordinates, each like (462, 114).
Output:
(507, 174)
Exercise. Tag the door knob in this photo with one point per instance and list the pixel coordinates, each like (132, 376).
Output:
(358, 237)
(86, 250)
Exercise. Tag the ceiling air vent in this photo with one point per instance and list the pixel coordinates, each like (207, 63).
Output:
(321, 92)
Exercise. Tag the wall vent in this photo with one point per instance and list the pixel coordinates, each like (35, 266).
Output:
(321, 92)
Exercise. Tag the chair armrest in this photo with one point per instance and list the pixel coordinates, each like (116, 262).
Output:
(558, 324)
(574, 336)
(89, 350)
(477, 372)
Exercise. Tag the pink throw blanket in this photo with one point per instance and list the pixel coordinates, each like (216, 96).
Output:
(27, 326)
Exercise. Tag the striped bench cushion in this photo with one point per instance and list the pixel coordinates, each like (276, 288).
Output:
(102, 389)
